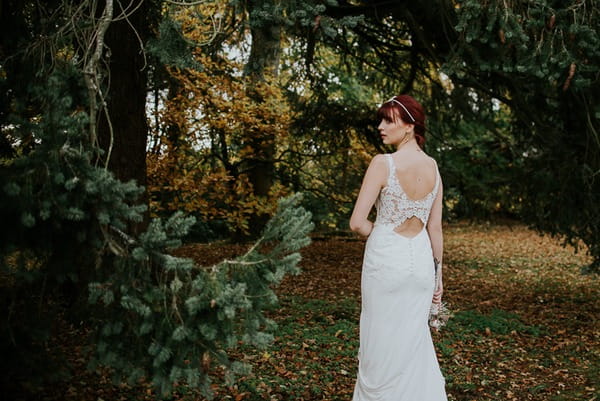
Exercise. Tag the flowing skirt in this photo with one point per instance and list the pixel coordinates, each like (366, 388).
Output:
(397, 360)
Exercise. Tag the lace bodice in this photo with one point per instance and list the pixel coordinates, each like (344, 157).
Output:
(394, 207)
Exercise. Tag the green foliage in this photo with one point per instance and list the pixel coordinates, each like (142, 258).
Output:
(541, 58)
(171, 48)
(477, 158)
(171, 321)
(52, 183)
(497, 322)
(56, 208)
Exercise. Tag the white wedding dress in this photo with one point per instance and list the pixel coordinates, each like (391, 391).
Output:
(397, 360)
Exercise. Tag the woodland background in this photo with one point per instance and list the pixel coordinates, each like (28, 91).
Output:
(132, 130)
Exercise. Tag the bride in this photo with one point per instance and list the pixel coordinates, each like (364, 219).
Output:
(397, 360)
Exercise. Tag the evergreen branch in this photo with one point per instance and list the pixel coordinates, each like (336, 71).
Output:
(223, 307)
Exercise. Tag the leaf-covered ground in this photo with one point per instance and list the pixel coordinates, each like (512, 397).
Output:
(525, 324)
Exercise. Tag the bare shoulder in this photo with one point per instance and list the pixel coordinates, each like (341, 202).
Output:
(378, 158)
(426, 159)
(424, 162)
(432, 160)
(378, 162)
(435, 165)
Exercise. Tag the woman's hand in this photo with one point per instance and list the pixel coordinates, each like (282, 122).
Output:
(437, 295)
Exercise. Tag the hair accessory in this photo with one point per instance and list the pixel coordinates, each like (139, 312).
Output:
(404, 107)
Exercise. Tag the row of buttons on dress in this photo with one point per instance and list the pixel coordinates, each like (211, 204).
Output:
(411, 254)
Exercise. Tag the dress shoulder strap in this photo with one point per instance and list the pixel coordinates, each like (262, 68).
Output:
(391, 166)
(437, 180)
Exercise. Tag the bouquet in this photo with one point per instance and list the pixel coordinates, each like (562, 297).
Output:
(438, 313)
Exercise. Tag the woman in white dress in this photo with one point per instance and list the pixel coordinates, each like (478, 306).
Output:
(397, 360)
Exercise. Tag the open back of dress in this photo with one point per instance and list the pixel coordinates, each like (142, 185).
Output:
(395, 208)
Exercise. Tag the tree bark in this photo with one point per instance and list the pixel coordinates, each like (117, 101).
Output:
(262, 63)
(123, 135)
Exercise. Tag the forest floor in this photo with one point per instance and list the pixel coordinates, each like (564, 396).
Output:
(525, 325)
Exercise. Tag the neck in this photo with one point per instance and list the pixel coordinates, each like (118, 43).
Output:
(407, 143)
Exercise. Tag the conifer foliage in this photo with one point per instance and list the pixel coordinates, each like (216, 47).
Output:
(157, 316)
(171, 321)
(541, 59)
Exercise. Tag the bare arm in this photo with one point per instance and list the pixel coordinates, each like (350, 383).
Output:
(374, 180)
(434, 229)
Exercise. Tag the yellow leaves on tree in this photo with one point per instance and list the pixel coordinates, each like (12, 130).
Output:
(206, 126)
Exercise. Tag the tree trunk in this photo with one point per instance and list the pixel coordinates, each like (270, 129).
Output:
(262, 63)
(125, 143)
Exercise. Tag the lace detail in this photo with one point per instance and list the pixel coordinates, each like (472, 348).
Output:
(394, 207)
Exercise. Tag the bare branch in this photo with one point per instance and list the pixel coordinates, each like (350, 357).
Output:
(91, 70)
(186, 3)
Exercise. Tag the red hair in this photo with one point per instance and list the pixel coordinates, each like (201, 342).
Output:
(411, 113)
